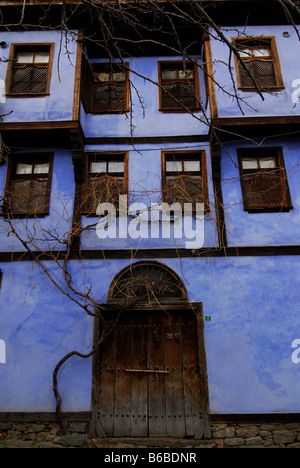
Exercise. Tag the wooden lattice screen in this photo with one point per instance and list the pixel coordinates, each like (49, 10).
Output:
(28, 196)
(147, 281)
(105, 189)
(178, 94)
(261, 70)
(29, 79)
(183, 189)
(264, 180)
(109, 96)
(265, 189)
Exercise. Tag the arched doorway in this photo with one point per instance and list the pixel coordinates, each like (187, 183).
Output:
(150, 372)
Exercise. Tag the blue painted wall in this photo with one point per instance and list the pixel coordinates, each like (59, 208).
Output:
(253, 302)
(39, 326)
(254, 321)
(145, 186)
(245, 228)
(59, 104)
(59, 220)
(278, 103)
(148, 121)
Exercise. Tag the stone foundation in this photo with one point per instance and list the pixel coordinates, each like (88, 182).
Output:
(224, 435)
(257, 435)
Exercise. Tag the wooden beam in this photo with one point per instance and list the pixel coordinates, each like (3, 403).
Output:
(121, 254)
(77, 82)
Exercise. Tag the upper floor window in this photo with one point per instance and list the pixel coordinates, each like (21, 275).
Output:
(28, 185)
(29, 69)
(185, 178)
(263, 179)
(106, 180)
(260, 58)
(105, 88)
(179, 86)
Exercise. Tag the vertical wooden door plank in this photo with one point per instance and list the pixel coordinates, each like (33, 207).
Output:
(123, 379)
(156, 382)
(139, 390)
(175, 421)
(141, 404)
(191, 375)
(106, 390)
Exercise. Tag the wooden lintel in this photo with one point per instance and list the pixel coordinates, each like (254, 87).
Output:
(121, 254)
(241, 120)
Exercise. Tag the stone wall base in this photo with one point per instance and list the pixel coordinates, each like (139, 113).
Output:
(257, 435)
(244, 434)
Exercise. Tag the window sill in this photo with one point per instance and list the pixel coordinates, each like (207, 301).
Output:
(24, 215)
(277, 209)
(273, 89)
(107, 112)
(26, 95)
(94, 215)
(179, 110)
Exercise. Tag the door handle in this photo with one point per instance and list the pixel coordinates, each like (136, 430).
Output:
(148, 371)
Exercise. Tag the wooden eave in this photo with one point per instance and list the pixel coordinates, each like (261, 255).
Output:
(230, 129)
(42, 134)
(223, 12)
(156, 253)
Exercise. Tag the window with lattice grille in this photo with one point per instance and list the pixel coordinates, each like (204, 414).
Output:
(264, 181)
(260, 67)
(106, 180)
(29, 70)
(179, 86)
(184, 178)
(105, 88)
(28, 185)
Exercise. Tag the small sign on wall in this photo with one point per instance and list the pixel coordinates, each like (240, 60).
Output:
(2, 352)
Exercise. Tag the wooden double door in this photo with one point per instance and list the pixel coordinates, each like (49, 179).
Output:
(149, 378)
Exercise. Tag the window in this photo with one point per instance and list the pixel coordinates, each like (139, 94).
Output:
(261, 59)
(263, 179)
(29, 70)
(184, 178)
(179, 86)
(28, 185)
(105, 88)
(106, 180)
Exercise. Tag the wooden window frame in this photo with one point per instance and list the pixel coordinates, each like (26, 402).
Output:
(89, 84)
(202, 174)
(253, 42)
(103, 156)
(165, 64)
(14, 49)
(261, 153)
(30, 158)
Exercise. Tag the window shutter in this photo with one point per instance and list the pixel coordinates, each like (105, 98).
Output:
(184, 189)
(178, 93)
(263, 180)
(28, 196)
(109, 97)
(265, 190)
(105, 189)
(262, 71)
(29, 79)
(28, 185)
